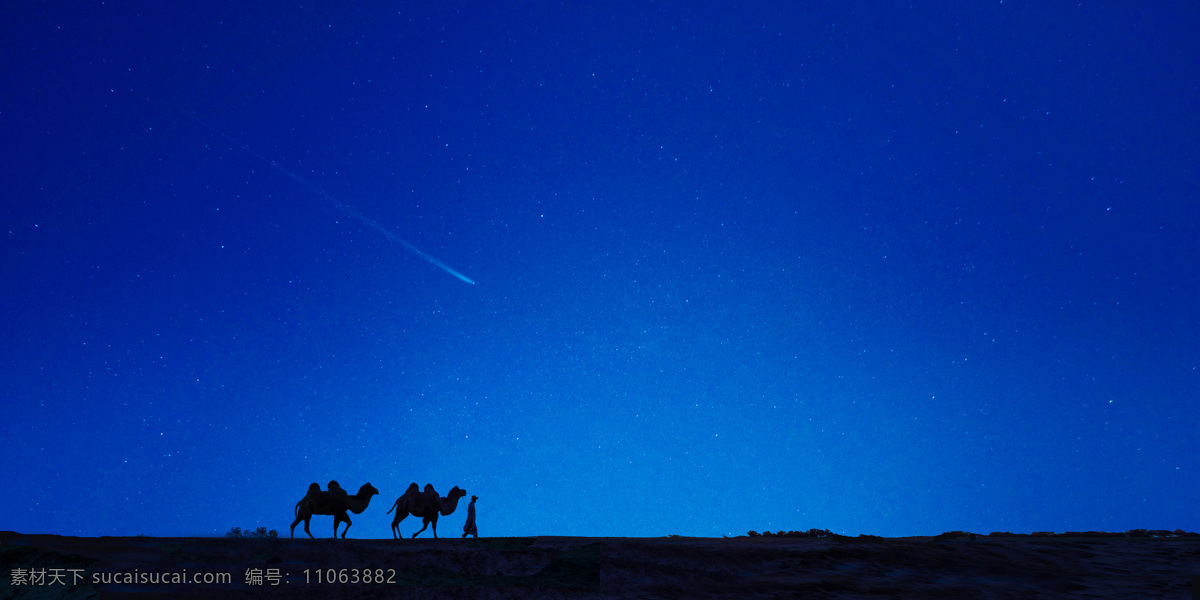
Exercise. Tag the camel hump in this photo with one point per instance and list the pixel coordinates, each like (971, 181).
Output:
(413, 488)
(336, 493)
(429, 488)
(314, 487)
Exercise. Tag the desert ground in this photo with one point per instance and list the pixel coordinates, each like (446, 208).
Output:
(953, 565)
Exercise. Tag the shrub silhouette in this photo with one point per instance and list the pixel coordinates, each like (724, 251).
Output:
(261, 532)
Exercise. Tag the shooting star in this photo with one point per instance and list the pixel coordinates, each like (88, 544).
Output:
(399, 240)
(338, 205)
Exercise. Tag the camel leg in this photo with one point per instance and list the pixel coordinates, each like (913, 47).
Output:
(342, 517)
(425, 523)
(435, 525)
(306, 519)
(294, 524)
(396, 525)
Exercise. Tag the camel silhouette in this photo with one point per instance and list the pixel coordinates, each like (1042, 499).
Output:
(426, 505)
(333, 502)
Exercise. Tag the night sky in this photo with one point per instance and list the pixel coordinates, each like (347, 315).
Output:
(737, 266)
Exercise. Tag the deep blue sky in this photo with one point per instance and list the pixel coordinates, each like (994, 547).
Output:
(896, 270)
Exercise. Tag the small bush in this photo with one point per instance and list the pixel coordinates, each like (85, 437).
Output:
(261, 532)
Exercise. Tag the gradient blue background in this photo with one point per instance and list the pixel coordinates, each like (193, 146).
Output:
(890, 269)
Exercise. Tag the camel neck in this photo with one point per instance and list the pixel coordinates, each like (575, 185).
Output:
(448, 505)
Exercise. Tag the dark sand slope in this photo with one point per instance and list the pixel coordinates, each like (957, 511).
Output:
(561, 567)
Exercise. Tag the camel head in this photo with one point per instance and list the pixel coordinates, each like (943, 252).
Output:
(367, 490)
(455, 493)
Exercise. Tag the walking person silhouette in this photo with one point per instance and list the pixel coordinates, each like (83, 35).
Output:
(469, 526)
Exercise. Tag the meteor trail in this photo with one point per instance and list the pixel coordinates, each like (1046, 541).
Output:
(342, 207)
(395, 238)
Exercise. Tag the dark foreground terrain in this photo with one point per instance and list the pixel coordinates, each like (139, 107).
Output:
(563, 567)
